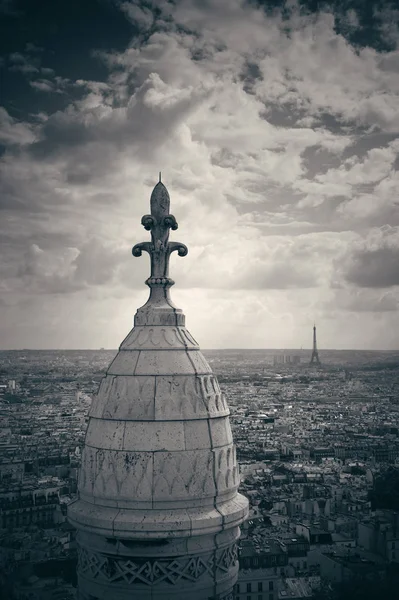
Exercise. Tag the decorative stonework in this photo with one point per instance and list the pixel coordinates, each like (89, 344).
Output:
(154, 572)
(125, 397)
(226, 470)
(187, 397)
(158, 338)
(132, 397)
(160, 317)
(158, 476)
(183, 475)
(157, 362)
(112, 474)
(157, 491)
(159, 222)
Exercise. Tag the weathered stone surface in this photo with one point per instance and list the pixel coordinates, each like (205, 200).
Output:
(174, 362)
(161, 523)
(105, 434)
(162, 315)
(183, 475)
(153, 362)
(124, 363)
(165, 397)
(159, 338)
(158, 512)
(220, 432)
(154, 436)
(182, 575)
(188, 397)
(116, 475)
(196, 435)
(125, 397)
(157, 571)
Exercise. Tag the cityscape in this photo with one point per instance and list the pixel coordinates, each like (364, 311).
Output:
(199, 392)
(313, 443)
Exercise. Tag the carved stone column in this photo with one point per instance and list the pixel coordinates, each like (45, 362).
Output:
(158, 511)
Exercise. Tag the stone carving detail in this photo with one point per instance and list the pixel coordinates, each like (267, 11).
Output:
(116, 475)
(189, 340)
(183, 475)
(159, 222)
(213, 397)
(154, 572)
(124, 397)
(227, 558)
(143, 317)
(158, 337)
(183, 396)
(226, 468)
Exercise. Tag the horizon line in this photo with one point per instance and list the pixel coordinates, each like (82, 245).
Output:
(204, 349)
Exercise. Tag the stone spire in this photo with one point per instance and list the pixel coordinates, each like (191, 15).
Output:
(159, 222)
(158, 511)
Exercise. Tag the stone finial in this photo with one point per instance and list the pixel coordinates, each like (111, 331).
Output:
(159, 222)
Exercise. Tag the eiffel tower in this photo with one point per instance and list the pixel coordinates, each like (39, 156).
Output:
(315, 355)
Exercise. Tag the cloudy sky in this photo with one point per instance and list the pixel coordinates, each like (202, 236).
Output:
(275, 125)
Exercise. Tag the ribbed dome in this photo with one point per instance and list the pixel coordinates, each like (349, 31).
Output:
(159, 461)
(158, 437)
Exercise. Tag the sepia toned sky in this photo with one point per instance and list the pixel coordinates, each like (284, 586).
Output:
(275, 125)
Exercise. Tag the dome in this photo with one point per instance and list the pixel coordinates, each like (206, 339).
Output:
(159, 464)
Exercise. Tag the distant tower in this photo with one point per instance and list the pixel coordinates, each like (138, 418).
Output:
(315, 355)
(158, 512)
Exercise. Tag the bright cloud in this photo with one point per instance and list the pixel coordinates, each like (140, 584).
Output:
(263, 127)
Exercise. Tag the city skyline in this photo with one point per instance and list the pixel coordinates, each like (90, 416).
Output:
(275, 129)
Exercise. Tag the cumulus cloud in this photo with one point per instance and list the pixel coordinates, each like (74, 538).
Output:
(388, 19)
(375, 268)
(359, 300)
(68, 270)
(44, 272)
(373, 261)
(14, 132)
(96, 262)
(266, 130)
(57, 85)
(363, 184)
(23, 63)
(138, 14)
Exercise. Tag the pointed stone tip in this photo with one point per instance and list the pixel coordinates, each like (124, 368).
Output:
(159, 188)
(160, 200)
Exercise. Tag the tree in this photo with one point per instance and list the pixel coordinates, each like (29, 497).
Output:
(385, 492)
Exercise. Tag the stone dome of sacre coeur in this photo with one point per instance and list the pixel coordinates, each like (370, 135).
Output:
(157, 510)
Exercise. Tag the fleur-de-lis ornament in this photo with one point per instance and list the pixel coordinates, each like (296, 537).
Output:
(159, 222)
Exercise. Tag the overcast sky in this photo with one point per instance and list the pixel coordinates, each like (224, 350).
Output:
(275, 125)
